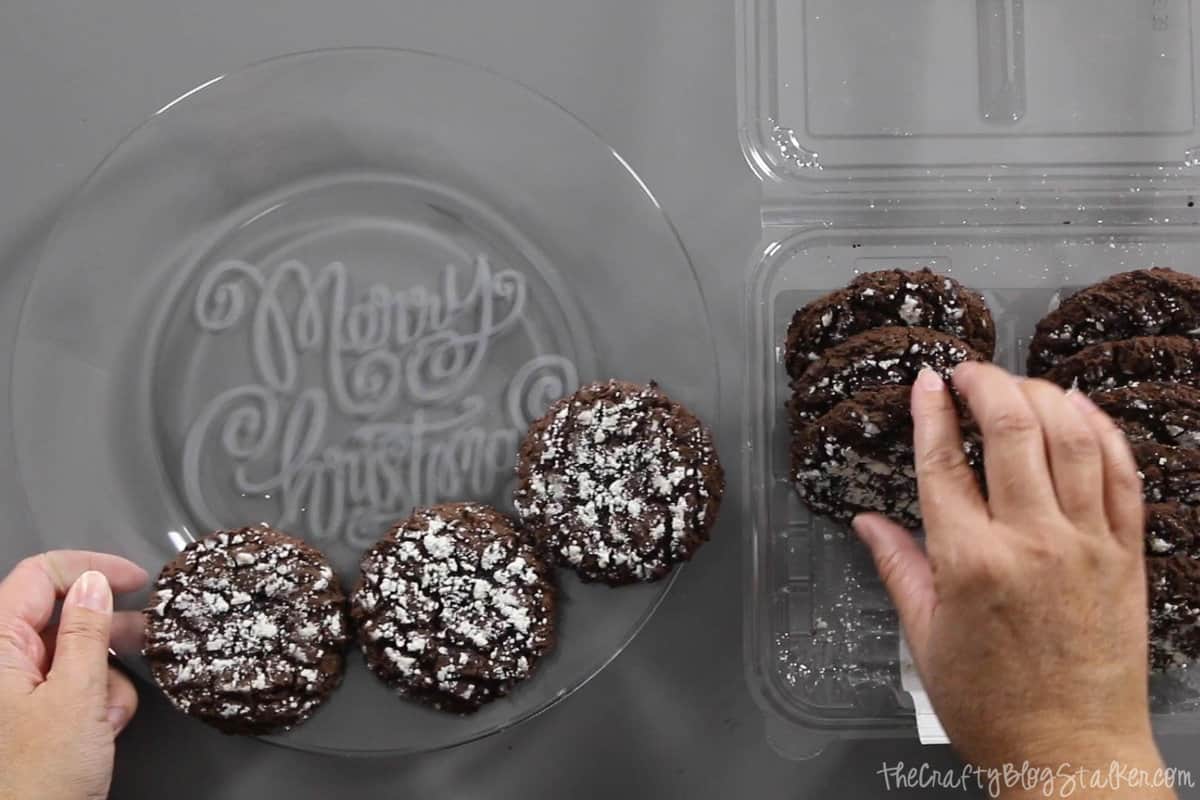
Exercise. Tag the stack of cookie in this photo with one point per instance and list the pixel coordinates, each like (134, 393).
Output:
(1130, 343)
(852, 356)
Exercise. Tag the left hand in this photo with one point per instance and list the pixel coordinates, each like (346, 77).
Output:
(61, 704)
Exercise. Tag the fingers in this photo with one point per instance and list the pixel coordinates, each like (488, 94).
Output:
(1014, 453)
(1076, 460)
(81, 650)
(122, 700)
(905, 573)
(22, 656)
(31, 589)
(125, 639)
(27, 600)
(950, 496)
(1122, 485)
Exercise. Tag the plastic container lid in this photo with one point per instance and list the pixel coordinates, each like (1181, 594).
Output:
(1026, 148)
(880, 98)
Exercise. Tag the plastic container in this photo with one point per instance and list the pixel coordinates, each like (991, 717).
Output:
(1022, 147)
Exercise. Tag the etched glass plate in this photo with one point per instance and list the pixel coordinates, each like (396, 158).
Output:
(324, 290)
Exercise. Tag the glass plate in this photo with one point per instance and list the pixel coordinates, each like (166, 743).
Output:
(325, 289)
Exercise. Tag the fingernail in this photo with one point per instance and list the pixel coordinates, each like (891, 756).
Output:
(91, 591)
(929, 381)
(862, 527)
(116, 717)
(1082, 401)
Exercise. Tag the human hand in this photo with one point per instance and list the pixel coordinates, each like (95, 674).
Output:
(61, 704)
(1026, 614)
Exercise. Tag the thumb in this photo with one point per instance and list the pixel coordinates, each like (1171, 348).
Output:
(906, 574)
(81, 652)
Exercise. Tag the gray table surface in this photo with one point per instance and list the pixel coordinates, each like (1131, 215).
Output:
(672, 717)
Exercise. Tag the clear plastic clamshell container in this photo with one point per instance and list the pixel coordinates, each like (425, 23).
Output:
(1025, 147)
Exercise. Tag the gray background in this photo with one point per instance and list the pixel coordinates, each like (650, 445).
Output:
(672, 716)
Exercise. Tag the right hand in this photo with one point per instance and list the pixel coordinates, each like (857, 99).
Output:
(1027, 619)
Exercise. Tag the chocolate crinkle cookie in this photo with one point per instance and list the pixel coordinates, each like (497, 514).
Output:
(1108, 365)
(455, 606)
(246, 630)
(620, 482)
(1162, 413)
(1149, 302)
(1169, 474)
(879, 357)
(859, 458)
(890, 298)
(1172, 528)
(1174, 588)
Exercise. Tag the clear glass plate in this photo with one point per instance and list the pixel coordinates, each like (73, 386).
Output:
(325, 289)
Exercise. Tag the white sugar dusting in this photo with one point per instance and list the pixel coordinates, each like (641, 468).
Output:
(439, 547)
(910, 310)
(162, 598)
